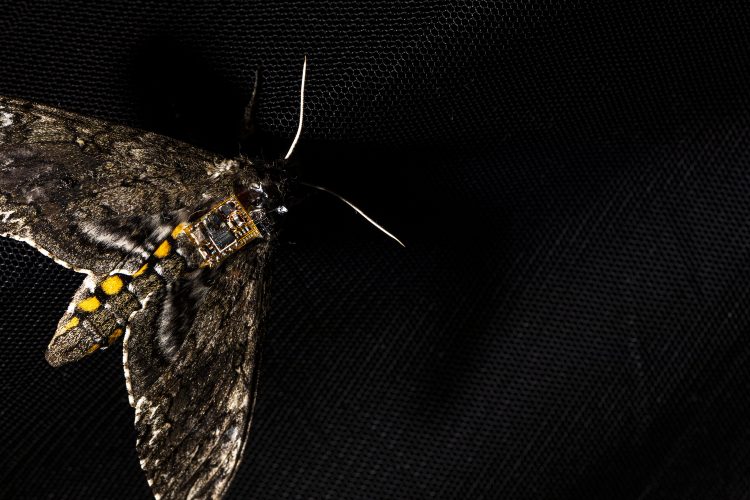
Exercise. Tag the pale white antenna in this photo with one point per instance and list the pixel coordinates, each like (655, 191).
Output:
(301, 110)
(360, 212)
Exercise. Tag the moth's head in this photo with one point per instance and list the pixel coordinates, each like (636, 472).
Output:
(263, 185)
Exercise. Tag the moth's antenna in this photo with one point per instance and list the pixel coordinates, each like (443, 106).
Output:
(321, 188)
(301, 110)
(360, 212)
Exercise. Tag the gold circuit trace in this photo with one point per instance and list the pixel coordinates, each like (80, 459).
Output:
(224, 229)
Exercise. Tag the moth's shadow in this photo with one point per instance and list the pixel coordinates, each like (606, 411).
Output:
(179, 93)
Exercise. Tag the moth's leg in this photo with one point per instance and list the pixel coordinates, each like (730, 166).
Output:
(248, 125)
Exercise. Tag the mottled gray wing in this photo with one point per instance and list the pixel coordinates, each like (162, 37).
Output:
(193, 405)
(89, 193)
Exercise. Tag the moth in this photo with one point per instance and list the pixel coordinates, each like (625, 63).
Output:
(175, 244)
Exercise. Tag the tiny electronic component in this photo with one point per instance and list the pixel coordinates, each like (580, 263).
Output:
(223, 230)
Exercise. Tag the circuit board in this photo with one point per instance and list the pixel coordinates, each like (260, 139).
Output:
(223, 230)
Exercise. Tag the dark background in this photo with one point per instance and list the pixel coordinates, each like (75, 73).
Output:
(570, 317)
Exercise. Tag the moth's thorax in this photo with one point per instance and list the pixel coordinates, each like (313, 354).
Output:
(227, 227)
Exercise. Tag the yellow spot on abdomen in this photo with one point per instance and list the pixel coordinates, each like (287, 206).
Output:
(112, 285)
(93, 348)
(140, 271)
(89, 305)
(178, 229)
(72, 323)
(115, 335)
(163, 250)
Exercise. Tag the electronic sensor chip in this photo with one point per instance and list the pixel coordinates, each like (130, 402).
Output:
(226, 228)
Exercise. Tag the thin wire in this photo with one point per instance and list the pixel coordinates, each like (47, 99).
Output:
(360, 212)
(301, 110)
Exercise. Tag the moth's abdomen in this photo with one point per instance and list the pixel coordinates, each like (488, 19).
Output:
(99, 315)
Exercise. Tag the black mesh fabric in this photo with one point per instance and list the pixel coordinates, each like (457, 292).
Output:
(570, 317)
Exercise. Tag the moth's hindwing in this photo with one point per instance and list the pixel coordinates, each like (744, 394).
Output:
(99, 198)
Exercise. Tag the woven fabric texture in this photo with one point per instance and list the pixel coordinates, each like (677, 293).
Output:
(570, 316)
